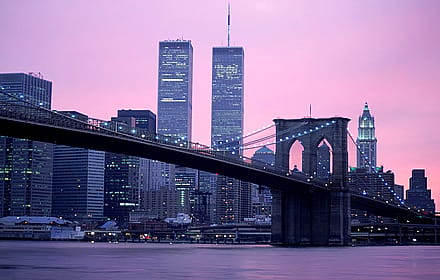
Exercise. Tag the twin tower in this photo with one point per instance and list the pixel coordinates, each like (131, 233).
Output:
(175, 91)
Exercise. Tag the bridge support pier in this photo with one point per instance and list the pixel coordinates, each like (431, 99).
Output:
(313, 216)
(311, 219)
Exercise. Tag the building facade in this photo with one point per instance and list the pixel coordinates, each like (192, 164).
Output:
(418, 195)
(126, 176)
(78, 180)
(375, 185)
(261, 195)
(174, 109)
(144, 119)
(362, 181)
(25, 165)
(227, 96)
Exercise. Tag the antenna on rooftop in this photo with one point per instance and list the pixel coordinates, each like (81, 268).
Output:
(229, 24)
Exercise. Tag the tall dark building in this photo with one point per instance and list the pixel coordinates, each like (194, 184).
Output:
(418, 195)
(121, 186)
(25, 165)
(204, 208)
(366, 141)
(144, 119)
(78, 180)
(261, 195)
(233, 202)
(161, 196)
(125, 176)
(378, 185)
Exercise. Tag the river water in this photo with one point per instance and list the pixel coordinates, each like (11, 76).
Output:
(130, 261)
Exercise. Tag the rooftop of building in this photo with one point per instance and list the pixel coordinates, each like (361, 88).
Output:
(264, 150)
(13, 220)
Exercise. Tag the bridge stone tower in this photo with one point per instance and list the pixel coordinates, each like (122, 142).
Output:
(317, 216)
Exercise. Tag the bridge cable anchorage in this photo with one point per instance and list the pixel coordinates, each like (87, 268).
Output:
(17, 108)
(365, 158)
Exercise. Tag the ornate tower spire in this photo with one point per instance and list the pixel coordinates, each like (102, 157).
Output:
(366, 141)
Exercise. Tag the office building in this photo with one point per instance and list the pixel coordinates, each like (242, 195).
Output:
(227, 97)
(263, 156)
(78, 180)
(25, 165)
(144, 119)
(377, 185)
(233, 197)
(204, 199)
(261, 195)
(126, 177)
(374, 185)
(170, 187)
(174, 110)
(418, 195)
(161, 196)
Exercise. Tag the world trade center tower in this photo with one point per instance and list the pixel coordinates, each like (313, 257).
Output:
(169, 191)
(227, 97)
(232, 197)
(174, 108)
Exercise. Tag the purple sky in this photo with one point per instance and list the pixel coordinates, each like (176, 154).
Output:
(103, 56)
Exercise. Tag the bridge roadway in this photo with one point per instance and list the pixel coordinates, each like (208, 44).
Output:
(130, 145)
(39, 130)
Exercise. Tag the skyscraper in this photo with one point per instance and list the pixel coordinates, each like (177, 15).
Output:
(174, 109)
(227, 96)
(232, 196)
(78, 180)
(25, 165)
(125, 176)
(366, 141)
(170, 186)
(418, 195)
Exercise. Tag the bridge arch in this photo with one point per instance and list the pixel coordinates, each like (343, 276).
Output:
(310, 132)
(324, 160)
(295, 155)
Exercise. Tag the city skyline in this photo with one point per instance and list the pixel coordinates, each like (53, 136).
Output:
(334, 56)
